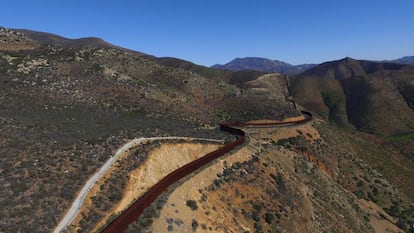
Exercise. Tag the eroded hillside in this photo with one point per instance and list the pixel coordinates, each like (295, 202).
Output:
(295, 179)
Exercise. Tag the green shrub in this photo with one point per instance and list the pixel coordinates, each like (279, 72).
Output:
(192, 204)
(269, 218)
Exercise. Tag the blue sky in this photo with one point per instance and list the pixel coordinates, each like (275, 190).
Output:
(216, 31)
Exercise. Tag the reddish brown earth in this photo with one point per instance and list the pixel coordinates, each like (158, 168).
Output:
(121, 223)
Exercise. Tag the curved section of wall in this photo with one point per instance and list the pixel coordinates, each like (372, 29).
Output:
(132, 213)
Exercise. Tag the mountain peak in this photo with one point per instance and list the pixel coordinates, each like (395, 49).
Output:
(339, 69)
(261, 64)
(348, 67)
(348, 59)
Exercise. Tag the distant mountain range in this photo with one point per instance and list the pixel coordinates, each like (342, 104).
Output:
(263, 64)
(238, 64)
(409, 60)
(268, 65)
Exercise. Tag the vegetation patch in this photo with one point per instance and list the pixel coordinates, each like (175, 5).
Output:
(403, 137)
(192, 204)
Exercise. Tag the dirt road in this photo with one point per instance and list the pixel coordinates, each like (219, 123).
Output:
(77, 203)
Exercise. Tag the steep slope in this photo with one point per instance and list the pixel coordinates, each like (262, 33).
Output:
(186, 65)
(243, 76)
(324, 96)
(309, 178)
(357, 92)
(339, 70)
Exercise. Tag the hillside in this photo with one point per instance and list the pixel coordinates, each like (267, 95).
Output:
(67, 106)
(353, 92)
(404, 60)
(263, 64)
(12, 40)
(273, 186)
(64, 110)
(45, 38)
(186, 65)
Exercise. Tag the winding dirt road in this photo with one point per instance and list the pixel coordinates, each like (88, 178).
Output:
(120, 223)
(77, 203)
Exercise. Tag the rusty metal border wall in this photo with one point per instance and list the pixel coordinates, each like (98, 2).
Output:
(131, 214)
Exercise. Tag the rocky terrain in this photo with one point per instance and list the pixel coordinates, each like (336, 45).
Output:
(297, 179)
(12, 40)
(65, 110)
(67, 105)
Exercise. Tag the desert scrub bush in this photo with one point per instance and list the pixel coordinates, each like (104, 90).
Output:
(220, 115)
(192, 204)
(256, 216)
(194, 224)
(269, 217)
